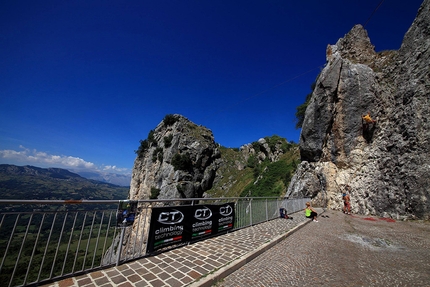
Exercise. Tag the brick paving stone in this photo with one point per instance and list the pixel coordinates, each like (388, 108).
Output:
(112, 272)
(184, 269)
(188, 263)
(173, 282)
(162, 265)
(157, 283)
(96, 274)
(213, 262)
(142, 284)
(194, 274)
(163, 275)
(118, 279)
(149, 276)
(200, 270)
(134, 265)
(176, 264)
(141, 271)
(156, 270)
(83, 281)
(128, 272)
(177, 275)
(122, 267)
(66, 282)
(169, 269)
(154, 260)
(186, 280)
(147, 264)
(101, 281)
(134, 278)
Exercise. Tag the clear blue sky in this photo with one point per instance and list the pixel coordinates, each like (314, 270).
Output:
(81, 82)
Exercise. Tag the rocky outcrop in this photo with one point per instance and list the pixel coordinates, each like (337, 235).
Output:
(386, 164)
(178, 160)
(263, 151)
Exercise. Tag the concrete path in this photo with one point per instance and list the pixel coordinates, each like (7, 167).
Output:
(343, 250)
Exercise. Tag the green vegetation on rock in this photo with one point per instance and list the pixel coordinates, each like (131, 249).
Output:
(255, 178)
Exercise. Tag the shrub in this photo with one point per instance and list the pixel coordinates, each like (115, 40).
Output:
(151, 138)
(144, 145)
(170, 119)
(168, 141)
(273, 141)
(252, 161)
(157, 154)
(155, 192)
(256, 146)
(182, 162)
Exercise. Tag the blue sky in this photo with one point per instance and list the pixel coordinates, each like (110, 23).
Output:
(81, 82)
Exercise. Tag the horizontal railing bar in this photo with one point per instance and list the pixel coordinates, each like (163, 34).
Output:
(85, 201)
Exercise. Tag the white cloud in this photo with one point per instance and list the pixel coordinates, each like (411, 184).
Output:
(34, 157)
(114, 168)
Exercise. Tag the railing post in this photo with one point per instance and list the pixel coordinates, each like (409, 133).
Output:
(118, 258)
(267, 212)
(250, 212)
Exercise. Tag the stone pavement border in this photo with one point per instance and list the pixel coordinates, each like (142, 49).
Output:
(199, 264)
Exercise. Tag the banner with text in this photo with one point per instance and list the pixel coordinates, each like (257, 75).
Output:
(181, 224)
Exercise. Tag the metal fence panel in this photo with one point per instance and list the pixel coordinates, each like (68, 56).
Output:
(63, 238)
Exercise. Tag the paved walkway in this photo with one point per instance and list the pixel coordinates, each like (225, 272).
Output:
(198, 264)
(339, 250)
(343, 250)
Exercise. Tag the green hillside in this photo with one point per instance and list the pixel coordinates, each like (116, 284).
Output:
(256, 178)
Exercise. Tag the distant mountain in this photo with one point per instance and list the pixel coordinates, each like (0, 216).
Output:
(30, 182)
(114, 178)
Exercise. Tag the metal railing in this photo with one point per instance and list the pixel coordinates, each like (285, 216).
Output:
(45, 240)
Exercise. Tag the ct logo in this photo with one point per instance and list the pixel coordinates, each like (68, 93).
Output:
(203, 213)
(226, 210)
(171, 217)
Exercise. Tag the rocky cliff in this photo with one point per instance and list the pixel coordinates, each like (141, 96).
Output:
(178, 160)
(387, 164)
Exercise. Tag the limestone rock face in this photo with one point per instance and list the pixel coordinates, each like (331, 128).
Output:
(386, 164)
(179, 160)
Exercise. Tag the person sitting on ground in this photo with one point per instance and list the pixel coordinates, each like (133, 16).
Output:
(283, 213)
(310, 212)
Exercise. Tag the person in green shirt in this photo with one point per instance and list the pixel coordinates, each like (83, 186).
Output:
(310, 212)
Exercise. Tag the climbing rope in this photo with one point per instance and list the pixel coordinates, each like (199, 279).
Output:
(371, 15)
